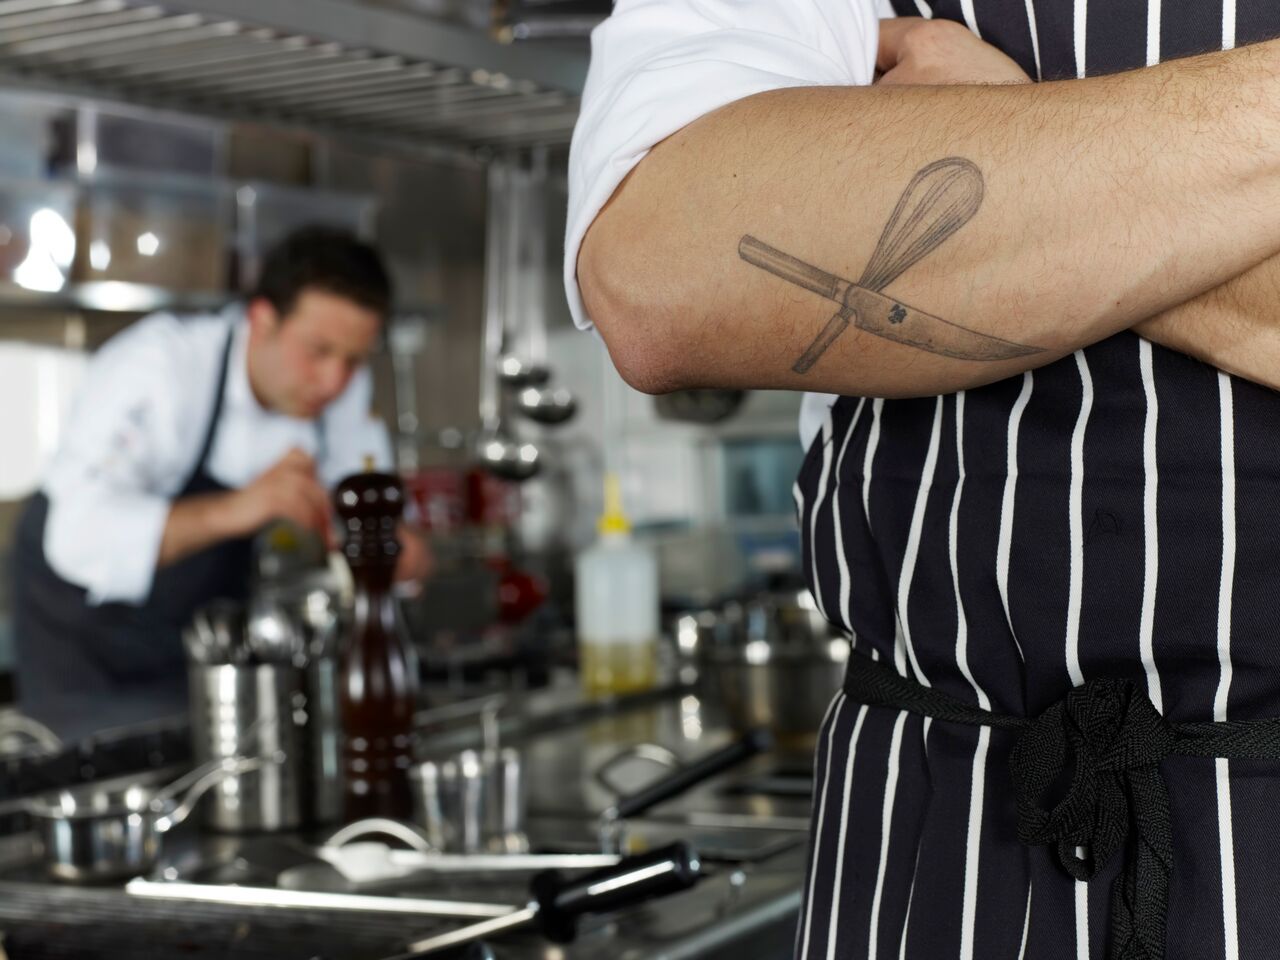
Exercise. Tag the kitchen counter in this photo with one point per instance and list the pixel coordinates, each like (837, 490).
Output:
(748, 823)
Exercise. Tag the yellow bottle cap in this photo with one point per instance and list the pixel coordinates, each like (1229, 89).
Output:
(613, 520)
(368, 463)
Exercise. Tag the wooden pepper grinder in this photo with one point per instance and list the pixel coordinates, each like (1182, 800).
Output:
(379, 668)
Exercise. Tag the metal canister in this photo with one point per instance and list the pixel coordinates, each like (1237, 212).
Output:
(472, 802)
(253, 709)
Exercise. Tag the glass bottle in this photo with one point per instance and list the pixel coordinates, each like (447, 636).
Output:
(379, 669)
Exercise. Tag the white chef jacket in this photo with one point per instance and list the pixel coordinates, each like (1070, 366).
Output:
(135, 433)
(658, 65)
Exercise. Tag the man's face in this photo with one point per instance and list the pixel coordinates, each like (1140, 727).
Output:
(301, 362)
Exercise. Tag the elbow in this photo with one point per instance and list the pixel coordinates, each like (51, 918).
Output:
(647, 337)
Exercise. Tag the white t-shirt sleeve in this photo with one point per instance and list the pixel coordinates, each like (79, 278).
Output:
(108, 485)
(658, 65)
(351, 433)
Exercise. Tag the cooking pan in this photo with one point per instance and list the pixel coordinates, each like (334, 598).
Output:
(113, 828)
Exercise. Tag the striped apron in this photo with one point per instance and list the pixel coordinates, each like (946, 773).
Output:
(1113, 514)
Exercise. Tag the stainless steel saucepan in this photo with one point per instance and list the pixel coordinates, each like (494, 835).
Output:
(773, 661)
(112, 829)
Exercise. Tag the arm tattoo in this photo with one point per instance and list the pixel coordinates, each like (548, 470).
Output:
(940, 200)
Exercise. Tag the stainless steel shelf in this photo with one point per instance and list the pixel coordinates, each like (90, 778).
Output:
(110, 296)
(330, 65)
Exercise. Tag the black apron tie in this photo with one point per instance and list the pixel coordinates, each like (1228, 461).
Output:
(1100, 747)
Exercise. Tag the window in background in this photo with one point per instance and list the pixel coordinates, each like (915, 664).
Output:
(759, 474)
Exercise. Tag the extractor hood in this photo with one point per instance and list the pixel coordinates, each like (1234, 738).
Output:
(334, 66)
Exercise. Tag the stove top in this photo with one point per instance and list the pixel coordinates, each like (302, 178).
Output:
(38, 922)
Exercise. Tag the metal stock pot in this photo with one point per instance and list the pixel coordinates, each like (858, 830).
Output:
(773, 661)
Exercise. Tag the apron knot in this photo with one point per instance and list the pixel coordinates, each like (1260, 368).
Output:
(1086, 774)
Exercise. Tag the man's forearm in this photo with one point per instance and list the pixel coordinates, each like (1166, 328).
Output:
(1234, 327)
(911, 241)
(197, 522)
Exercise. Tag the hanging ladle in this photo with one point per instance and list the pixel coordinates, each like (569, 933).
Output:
(515, 372)
(547, 405)
(498, 450)
(535, 397)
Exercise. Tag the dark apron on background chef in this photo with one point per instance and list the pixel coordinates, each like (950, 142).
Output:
(71, 653)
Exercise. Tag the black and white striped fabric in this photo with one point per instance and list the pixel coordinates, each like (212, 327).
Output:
(1116, 513)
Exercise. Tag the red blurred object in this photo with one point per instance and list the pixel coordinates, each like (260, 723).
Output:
(440, 498)
(448, 500)
(491, 502)
(519, 592)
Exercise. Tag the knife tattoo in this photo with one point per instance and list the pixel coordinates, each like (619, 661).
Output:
(940, 199)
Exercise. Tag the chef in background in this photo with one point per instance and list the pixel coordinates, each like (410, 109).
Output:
(191, 434)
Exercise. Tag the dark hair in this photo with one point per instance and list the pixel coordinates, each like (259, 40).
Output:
(324, 258)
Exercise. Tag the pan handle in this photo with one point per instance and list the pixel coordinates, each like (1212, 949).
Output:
(652, 752)
(230, 767)
(14, 725)
(244, 745)
(410, 835)
(690, 775)
(561, 901)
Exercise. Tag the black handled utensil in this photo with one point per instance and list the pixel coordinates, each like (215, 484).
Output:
(558, 903)
(690, 775)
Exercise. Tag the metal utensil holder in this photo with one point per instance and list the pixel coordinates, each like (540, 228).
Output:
(472, 802)
(257, 709)
(324, 738)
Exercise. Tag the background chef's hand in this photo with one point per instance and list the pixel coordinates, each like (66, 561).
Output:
(287, 491)
(416, 561)
(918, 51)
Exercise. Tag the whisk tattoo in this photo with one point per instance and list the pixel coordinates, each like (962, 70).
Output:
(940, 199)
